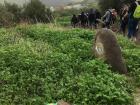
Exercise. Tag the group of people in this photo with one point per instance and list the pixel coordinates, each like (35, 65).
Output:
(86, 19)
(127, 19)
(93, 17)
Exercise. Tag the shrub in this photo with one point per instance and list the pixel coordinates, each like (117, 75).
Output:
(36, 12)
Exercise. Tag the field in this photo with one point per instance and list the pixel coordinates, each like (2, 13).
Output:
(44, 63)
(63, 21)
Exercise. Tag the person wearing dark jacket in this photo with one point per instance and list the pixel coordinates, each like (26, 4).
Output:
(92, 18)
(98, 16)
(74, 21)
(132, 22)
(83, 20)
(124, 19)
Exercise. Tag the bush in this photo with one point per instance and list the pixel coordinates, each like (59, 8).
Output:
(6, 18)
(33, 12)
(104, 5)
(15, 10)
(36, 12)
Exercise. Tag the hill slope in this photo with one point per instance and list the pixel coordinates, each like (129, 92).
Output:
(44, 63)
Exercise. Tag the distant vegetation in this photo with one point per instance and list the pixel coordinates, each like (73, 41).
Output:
(106, 4)
(33, 12)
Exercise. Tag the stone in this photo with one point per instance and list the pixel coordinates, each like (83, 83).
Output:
(107, 48)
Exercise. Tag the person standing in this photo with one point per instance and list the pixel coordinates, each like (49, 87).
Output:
(74, 21)
(132, 21)
(114, 16)
(83, 20)
(107, 18)
(92, 18)
(98, 16)
(124, 19)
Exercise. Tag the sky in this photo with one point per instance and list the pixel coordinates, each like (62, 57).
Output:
(47, 2)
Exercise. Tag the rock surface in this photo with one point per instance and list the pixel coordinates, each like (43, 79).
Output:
(107, 48)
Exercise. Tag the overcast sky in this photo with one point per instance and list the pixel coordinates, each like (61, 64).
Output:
(47, 2)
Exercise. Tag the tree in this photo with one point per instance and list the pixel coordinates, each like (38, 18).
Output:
(15, 10)
(106, 4)
(6, 18)
(36, 11)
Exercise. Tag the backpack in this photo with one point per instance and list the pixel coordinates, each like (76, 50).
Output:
(110, 16)
(137, 11)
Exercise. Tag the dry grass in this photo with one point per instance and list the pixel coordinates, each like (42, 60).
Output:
(137, 96)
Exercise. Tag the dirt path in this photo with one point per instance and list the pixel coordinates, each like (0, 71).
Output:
(137, 97)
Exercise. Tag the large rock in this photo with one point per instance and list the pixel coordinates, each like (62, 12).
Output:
(107, 48)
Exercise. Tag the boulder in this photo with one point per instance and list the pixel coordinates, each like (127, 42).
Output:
(107, 48)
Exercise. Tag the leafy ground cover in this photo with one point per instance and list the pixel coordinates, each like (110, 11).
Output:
(44, 63)
(64, 21)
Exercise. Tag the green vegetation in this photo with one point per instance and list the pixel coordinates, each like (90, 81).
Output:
(64, 21)
(44, 63)
(131, 54)
(32, 12)
(117, 4)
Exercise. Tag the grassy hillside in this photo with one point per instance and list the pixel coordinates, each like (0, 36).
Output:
(43, 63)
